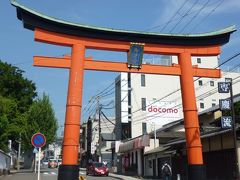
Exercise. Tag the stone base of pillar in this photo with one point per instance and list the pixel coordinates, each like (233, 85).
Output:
(196, 172)
(70, 172)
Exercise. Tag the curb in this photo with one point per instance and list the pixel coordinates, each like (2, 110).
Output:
(119, 176)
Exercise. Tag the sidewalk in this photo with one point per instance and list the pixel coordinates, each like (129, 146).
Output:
(119, 176)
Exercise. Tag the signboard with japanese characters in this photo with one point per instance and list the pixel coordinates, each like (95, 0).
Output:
(224, 87)
(224, 104)
(135, 55)
(226, 122)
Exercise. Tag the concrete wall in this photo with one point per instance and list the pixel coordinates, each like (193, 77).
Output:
(5, 163)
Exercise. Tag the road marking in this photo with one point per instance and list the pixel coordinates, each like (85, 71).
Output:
(50, 173)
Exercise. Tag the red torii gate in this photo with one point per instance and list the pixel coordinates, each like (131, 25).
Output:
(79, 38)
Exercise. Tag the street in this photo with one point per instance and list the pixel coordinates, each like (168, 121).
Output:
(47, 174)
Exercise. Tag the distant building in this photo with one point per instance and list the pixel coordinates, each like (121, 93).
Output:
(103, 151)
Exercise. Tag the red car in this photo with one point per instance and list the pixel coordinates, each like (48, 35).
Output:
(96, 168)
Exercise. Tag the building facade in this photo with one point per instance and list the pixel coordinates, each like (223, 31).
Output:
(146, 102)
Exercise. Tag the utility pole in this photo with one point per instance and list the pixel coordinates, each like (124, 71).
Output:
(99, 130)
(89, 139)
(154, 135)
(154, 128)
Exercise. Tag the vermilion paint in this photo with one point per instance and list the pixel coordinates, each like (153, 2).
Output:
(77, 63)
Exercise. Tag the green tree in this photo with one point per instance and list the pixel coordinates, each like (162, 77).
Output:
(20, 112)
(16, 95)
(14, 86)
(40, 118)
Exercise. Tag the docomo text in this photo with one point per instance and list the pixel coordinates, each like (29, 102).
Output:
(162, 110)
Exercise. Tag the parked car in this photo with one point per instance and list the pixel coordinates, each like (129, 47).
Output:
(97, 168)
(52, 163)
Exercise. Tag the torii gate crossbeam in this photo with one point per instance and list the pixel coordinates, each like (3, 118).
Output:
(80, 38)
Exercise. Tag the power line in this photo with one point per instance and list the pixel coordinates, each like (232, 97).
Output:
(184, 15)
(189, 22)
(212, 11)
(232, 57)
(176, 19)
(179, 9)
(201, 96)
(177, 106)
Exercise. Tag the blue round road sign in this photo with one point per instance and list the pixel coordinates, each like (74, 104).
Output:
(38, 140)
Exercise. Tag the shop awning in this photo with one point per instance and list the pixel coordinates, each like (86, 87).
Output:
(136, 143)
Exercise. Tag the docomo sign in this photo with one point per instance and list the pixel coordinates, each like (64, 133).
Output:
(164, 109)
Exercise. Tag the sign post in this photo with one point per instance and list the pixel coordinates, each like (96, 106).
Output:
(38, 140)
(35, 151)
(229, 121)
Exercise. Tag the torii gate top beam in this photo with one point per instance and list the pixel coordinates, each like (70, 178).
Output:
(32, 19)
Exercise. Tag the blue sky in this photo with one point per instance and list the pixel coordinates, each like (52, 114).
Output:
(18, 47)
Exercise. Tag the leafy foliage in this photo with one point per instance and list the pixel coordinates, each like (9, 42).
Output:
(41, 118)
(19, 112)
(14, 86)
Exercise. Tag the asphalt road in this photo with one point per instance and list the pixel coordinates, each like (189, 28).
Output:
(47, 174)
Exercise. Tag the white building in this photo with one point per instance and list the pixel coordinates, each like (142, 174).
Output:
(145, 102)
(107, 136)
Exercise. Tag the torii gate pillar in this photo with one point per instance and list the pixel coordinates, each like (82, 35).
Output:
(191, 123)
(73, 115)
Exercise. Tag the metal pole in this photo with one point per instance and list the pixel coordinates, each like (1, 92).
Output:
(35, 163)
(234, 132)
(99, 131)
(39, 154)
(154, 135)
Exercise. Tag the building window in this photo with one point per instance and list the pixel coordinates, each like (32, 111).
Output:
(199, 60)
(143, 83)
(202, 105)
(213, 104)
(200, 83)
(144, 128)
(211, 83)
(144, 104)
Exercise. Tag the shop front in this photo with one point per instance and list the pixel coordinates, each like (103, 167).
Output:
(132, 152)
